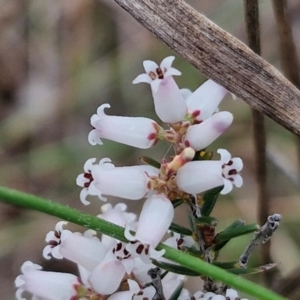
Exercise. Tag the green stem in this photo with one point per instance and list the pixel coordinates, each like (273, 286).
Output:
(92, 222)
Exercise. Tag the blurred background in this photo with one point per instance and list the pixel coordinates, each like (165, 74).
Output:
(60, 60)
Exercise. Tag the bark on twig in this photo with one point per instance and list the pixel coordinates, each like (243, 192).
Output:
(259, 136)
(220, 57)
(288, 53)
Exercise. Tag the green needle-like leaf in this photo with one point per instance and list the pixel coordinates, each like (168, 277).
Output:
(210, 198)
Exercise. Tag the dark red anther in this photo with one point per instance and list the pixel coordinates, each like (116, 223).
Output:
(119, 247)
(88, 175)
(229, 163)
(140, 249)
(160, 73)
(53, 243)
(57, 234)
(232, 172)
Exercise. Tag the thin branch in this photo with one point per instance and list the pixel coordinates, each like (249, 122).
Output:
(290, 66)
(289, 59)
(259, 135)
(220, 57)
(92, 222)
(288, 53)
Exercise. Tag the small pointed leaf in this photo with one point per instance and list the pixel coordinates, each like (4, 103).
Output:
(206, 220)
(175, 268)
(177, 292)
(150, 161)
(230, 233)
(219, 246)
(180, 229)
(177, 202)
(210, 198)
(226, 265)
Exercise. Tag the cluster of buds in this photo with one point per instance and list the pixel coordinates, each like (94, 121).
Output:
(110, 269)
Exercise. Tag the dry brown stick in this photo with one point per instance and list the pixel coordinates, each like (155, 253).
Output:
(288, 53)
(290, 65)
(220, 57)
(259, 136)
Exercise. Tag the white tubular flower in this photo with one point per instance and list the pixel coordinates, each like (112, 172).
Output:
(198, 176)
(86, 251)
(133, 131)
(116, 215)
(46, 285)
(135, 292)
(155, 218)
(205, 100)
(106, 277)
(201, 135)
(106, 179)
(168, 100)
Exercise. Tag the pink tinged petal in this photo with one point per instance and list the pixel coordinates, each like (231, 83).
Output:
(198, 176)
(106, 278)
(206, 99)
(48, 285)
(133, 131)
(168, 101)
(87, 252)
(125, 182)
(201, 135)
(155, 218)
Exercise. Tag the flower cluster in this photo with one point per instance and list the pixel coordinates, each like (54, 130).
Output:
(108, 268)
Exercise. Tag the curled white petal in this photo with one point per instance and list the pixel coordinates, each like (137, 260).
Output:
(206, 99)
